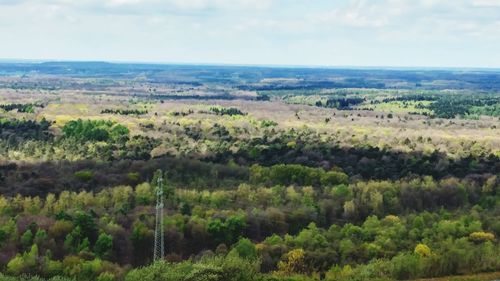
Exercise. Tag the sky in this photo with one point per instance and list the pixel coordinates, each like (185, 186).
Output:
(402, 33)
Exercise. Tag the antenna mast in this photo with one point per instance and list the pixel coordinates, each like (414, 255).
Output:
(159, 250)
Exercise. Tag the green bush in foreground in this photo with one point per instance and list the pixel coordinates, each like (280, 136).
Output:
(230, 268)
(33, 278)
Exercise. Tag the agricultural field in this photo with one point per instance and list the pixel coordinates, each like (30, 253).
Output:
(271, 173)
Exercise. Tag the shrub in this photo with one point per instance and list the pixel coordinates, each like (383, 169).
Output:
(230, 268)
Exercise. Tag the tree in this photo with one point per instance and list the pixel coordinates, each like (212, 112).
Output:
(350, 210)
(423, 250)
(76, 241)
(103, 245)
(60, 229)
(293, 263)
(235, 226)
(217, 229)
(27, 238)
(144, 194)
(95, 130)
(406, 266)
(245, 249)
(16, 265)
(185, 209)
(481, 236)
(40, 237)
(339, 273)
(87, 225)
(227, 231)
(142, 241)
(347, 249)
(25, 263)
(311, 238)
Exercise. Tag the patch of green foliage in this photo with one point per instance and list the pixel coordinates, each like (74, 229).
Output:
(24, 108)
(283, 174)
(230, 268)
(84, 175)
(124, 111)
(231, 111)
(95, 130)
(16, 130)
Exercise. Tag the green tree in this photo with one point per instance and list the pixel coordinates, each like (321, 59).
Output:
(27, 238)
(103, 245)
(16, 265)
(142, 241)
(245, 249)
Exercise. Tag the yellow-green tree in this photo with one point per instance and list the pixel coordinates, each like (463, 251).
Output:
(293, 262)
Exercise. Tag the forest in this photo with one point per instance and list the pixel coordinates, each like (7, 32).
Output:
(271, 174)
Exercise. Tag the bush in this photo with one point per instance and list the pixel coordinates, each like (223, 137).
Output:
(33, 278)
(229, 268)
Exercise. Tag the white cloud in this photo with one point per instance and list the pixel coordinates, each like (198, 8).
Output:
(178, 4)
(353, 18)
(301, 31)
(486, 3)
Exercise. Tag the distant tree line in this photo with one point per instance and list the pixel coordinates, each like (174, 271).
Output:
(310, 84)
(182, 113)
(25, 108)
(124, 111)
(15, 131)
(340, 103)
(231, 111)
(452, 105)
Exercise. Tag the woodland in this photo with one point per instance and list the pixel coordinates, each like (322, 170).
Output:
(271, 174)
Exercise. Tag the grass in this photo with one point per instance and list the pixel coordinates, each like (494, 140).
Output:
(399, 107)
(476, 277)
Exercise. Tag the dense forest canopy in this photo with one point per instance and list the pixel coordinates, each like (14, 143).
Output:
(271, 174)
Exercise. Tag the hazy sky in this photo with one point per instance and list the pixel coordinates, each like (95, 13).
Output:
(283, 32)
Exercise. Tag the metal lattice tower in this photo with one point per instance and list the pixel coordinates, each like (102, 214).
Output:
(159, 248)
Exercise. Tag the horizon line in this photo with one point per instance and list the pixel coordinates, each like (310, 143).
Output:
(291, 66)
